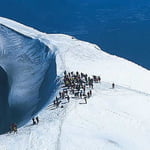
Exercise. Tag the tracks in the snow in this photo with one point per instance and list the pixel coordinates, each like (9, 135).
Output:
(120, 116)
(62, 117)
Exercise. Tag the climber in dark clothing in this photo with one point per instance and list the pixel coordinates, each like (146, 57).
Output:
(60, 94)
(92, 85)
(99, 79)
(113, 85)
(68, 98)
(37, 120)
(34, 122)
(85, 98)
(84, 88)
(54, 102)
(65, 72)
(77, 73)
(11, 128)
(81, 94)
(86, 78)
(57, 103)
(56, 99)
(14, 127)
(90, 92)
(72, 73)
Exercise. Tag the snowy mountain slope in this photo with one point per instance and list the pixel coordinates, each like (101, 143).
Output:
(113, 119)
(79, 55)
(86, 57)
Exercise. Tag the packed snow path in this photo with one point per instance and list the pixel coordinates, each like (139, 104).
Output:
(112, 120)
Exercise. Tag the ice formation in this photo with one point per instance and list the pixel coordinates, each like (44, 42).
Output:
(27, 77)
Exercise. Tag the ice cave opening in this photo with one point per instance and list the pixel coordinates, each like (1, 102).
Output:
(4, 106)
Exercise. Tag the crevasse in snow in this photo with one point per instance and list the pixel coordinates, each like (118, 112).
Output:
(27, 77)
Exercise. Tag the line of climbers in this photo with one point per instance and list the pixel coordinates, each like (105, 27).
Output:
(13, 126)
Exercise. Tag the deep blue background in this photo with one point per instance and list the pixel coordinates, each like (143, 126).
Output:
(120, 27)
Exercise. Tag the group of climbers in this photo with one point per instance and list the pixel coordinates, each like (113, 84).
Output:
(35, 120)
(13, 128)
(75, 85)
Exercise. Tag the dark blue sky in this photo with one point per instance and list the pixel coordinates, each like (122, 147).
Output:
(119, 27)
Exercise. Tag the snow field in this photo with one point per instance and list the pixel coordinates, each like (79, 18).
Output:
(102, 124)
(107, 122)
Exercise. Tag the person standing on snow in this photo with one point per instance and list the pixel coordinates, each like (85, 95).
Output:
(68, 98)
(33, 120)
(37, 120)
(113, 85)
(85, 98)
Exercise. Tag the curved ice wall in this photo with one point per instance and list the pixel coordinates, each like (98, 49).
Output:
(27, 77)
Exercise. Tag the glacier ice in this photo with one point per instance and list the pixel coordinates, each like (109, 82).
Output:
(27, 77)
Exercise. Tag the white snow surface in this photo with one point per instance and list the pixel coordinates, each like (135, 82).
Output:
(113, 119)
